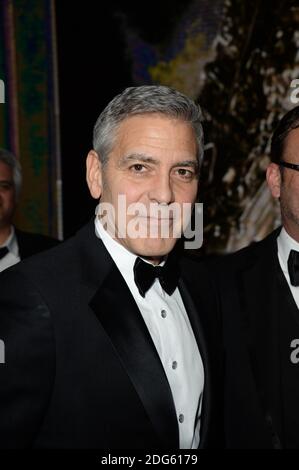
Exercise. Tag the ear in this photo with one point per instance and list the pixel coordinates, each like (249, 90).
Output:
(274, 179)
(94, 174)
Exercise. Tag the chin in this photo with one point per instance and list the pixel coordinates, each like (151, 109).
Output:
(153, 247)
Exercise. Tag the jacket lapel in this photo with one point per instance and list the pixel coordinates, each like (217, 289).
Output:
(259, 314)
(118, 313)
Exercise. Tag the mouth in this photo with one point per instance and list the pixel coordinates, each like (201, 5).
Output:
(158, 219)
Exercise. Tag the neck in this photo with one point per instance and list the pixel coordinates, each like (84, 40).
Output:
(292, 231)
(4, 233)
(155, 260)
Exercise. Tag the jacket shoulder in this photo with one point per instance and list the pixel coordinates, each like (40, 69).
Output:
(245, 256)
(32, 243)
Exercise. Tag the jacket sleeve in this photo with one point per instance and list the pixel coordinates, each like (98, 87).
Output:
(27, 360)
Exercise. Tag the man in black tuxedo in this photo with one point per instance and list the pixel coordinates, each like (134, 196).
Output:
(113, 339)
(15, 244)
(259, 298)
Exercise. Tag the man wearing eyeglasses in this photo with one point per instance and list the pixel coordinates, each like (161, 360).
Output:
(259, 292)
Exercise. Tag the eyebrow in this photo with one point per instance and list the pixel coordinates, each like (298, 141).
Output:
(148, 159)
(189, 163)
(138, 156)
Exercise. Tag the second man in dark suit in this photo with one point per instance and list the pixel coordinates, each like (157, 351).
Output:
(259, 294)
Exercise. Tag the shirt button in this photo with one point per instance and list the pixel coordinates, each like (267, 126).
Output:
(181, 418)
(163, 313)
(174, 364)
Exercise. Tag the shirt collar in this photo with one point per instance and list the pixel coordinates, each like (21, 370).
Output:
(122, 257)
(11, 242)
(285, 244)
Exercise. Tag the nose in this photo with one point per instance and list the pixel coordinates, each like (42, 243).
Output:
(161, 191)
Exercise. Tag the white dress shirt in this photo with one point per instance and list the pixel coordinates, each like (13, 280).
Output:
(285, 245)
(169, 326)
(12, 257)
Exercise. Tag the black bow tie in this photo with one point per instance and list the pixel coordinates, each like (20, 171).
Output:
(293, 266)
(146, 273)
(3, 251)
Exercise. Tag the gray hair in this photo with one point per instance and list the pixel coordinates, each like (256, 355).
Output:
(11, 160)
(144, 100)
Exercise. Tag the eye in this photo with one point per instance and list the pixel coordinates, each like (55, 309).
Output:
(137, 168)
(6, 186)
(185, 173)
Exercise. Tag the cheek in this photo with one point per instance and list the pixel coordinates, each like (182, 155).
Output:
(289, 189)
(292, 195)
(289, 197)
(122, 195)
(8, 199)
(133, 193)
(187, 193)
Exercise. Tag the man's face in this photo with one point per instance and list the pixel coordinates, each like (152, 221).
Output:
(7, 195)
(153, 162)
(285, 185)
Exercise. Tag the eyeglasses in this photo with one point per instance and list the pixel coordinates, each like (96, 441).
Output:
(293, 166)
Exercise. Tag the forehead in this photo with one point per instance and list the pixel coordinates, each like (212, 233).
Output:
(5, 172)
(156, 131)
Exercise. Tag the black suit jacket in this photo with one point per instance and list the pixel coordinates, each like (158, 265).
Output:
(81, 370)
(31, 243)
(249, 297)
